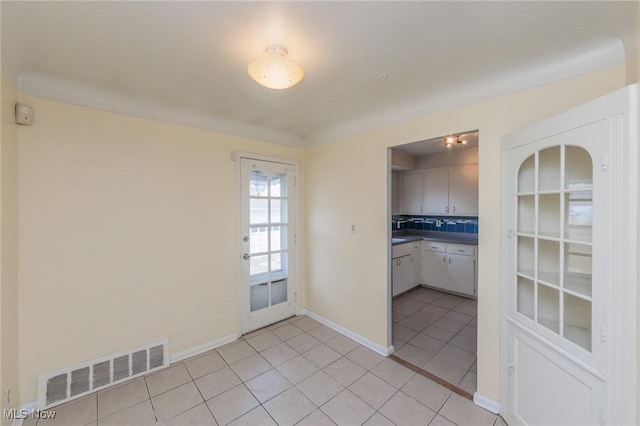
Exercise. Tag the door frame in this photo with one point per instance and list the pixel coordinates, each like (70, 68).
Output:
(622, 277)
(237, 156)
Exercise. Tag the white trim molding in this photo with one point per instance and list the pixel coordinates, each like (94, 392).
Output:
(486, 403)
(350, 334)
(197, 350)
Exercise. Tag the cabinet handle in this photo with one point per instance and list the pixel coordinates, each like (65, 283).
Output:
(420, 209)
(449, 259)
(454, 209)
(444, 259)
(446, 209)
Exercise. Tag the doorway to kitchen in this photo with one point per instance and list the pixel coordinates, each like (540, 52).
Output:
(434, 259)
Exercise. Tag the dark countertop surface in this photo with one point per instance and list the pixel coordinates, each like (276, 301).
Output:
(403, 237)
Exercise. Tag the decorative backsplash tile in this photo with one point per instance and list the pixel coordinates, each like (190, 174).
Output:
(465, 225)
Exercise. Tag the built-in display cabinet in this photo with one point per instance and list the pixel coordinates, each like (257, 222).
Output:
(451, 191)
(570, 267)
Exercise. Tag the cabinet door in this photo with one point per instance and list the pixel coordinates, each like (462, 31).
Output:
(404, 273)
(461, 274)
(395, 267)
(416, 265)
(436, 192)
(411, 194)
(463, 191)
(434, 269)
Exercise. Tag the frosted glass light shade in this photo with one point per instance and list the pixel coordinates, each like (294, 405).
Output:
(274, 70)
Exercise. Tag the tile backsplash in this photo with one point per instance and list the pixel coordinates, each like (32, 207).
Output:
(465, 225)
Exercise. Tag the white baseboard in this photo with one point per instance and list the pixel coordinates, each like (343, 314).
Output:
(179, 356)
(384, 351)
(486, 403)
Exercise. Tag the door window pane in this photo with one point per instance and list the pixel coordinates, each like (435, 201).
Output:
(549, 307)
(579, 168)
(526, 175)
(549, 169)
(258, 182)
(278, 211)
(525, 297)
(258, 268)
(259, 297)
(577, 321)
(279, 292)
(258, 211)
(278, 265)
(278, 238)
(258, 239)
(278, 185)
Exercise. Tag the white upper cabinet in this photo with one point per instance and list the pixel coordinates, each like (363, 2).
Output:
(411, 195)
(452, 192)
(436, 192)
(463, 191)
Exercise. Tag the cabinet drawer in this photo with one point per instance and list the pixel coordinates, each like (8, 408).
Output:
(434, 246)
(461, 249)
(401, 250)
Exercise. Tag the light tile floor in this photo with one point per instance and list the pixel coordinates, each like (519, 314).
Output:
(295, 372)
(437, 332)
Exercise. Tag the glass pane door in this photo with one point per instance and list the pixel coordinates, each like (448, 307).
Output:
(267, 193)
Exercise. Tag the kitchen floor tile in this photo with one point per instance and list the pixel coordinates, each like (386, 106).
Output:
(75, 413)
(365, 357)
(319, 388)
(427, 392)
(250, 367)
(256, 417)
(404, 410)
(236, 351)
(267, 385)
(347, 409)
(372, 390)
(302, 343)
(378, 420)
(204, 364)
(306, 323)
(297, 369)
(317, 418)
(167, 379)
(196, 416)
(279, 354)
(341, 344)
(289, 407)
(321, 356)
(344, 371)
(217, 382)
(287, 331)
(322, 333)
(176, 401)
(393, 373)
(122, 396)
(263, 341)
(461, 411)
(232, 404)
(141, 414)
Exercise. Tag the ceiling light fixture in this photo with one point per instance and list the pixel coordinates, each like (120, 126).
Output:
(450, 140)
(274, 70)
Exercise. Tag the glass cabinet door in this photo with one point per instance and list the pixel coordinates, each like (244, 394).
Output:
(553, 232)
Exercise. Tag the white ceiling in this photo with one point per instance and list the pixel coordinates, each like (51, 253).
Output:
(186, 61)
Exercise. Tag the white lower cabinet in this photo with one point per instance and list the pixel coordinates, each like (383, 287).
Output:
(401, 275)
(406, 267)
(450, 267)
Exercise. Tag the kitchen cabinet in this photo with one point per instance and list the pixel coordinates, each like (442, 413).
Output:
(401, 274)
(452, 192)
(416, 264)
(406, 267)
(450, 267)
(411, 193)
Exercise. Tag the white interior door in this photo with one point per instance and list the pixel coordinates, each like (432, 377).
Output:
(268, 236)
(568, 220)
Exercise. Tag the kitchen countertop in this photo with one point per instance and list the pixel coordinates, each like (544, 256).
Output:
(447, 237)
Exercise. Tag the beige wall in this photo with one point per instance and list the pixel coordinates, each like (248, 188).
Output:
(451, 157)
(127, 235)
(8, 249)
(347, 180)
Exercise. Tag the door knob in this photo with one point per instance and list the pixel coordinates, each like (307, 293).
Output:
(246, 256)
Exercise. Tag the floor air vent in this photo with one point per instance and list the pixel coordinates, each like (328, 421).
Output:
(64, 385)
